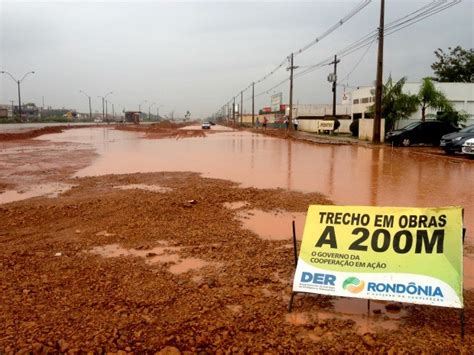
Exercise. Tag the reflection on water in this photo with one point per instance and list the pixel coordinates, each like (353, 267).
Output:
(354, 175)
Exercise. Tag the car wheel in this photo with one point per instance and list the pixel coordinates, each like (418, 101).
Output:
(406, 142)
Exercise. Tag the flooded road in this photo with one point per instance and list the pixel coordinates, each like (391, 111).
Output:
(352, 175)
(173, 248)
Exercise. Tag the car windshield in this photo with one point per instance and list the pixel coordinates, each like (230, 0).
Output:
(411, 125)
(468, 129)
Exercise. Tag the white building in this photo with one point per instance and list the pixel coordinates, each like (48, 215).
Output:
(461, 95)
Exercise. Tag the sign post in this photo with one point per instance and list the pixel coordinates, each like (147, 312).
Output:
(411, 255)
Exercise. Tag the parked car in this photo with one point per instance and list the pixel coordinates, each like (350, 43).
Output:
(428, 132)
(206, 125)
(468, 147)
(453, 142)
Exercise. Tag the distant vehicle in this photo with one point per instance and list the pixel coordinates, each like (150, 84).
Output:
(428, 132)
(97, 120)
(468, 147)
(212, 123)
(206, 125)
(453, 142)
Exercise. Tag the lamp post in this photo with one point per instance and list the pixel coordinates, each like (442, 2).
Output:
(90, 106)
(103, 103)
(18, 83)
(140, 108)
(149, 107)
(158, 111)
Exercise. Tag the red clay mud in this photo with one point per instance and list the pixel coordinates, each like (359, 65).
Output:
(58, 296)
(144, 262)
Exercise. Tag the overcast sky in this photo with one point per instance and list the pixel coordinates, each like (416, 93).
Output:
(197, 55)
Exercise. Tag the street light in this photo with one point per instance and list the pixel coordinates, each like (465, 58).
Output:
(90, 107)
(103, 106)
(140, 106)
(149, 107)
(158, 111)
(113, 109)
(18, 83)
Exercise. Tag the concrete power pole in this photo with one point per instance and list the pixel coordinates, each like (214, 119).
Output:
(334, 86)
(290, 115)
(241, 106)
(378, 84)
(90, 108)
(233, 112)
(253, 104)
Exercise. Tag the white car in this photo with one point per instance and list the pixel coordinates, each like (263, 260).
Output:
(206, 125)
(468, 147)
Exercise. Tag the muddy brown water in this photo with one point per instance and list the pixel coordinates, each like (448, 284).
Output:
(349, 174)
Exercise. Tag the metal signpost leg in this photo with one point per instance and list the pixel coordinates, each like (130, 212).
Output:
(290, 305)
(294, 244)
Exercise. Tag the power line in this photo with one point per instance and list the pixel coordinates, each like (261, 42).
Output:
(351, 14)
(346, 18)
(358, 62)
(414, 17)
(367, 40)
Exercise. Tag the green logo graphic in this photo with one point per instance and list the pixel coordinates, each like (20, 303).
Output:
(353, 285)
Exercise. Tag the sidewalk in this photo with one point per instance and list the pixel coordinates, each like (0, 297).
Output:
(327, 138)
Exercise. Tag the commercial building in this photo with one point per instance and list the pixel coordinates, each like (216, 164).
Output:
(461, 95)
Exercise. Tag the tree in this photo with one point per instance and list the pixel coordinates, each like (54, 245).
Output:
(456, 66)
(396, 104)
(430, 97)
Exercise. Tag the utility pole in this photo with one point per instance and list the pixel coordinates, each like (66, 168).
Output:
(378, 84)
(42, 106)
(19, 98)
(290, 115)
(253, 104)
(241, 106)
(233, 111)
(113, 112)
(103, 109)
(106, 109)
(90, 108)
(334, 85)
(18, 82)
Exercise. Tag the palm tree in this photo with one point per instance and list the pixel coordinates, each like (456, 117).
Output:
(430, 97)
(395, 103)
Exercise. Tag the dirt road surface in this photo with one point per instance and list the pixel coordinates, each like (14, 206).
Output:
(165, 261)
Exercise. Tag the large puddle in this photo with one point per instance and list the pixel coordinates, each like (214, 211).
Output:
(352, 175)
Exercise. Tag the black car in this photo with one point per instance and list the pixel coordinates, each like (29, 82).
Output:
(428, 132)
(452, 142)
